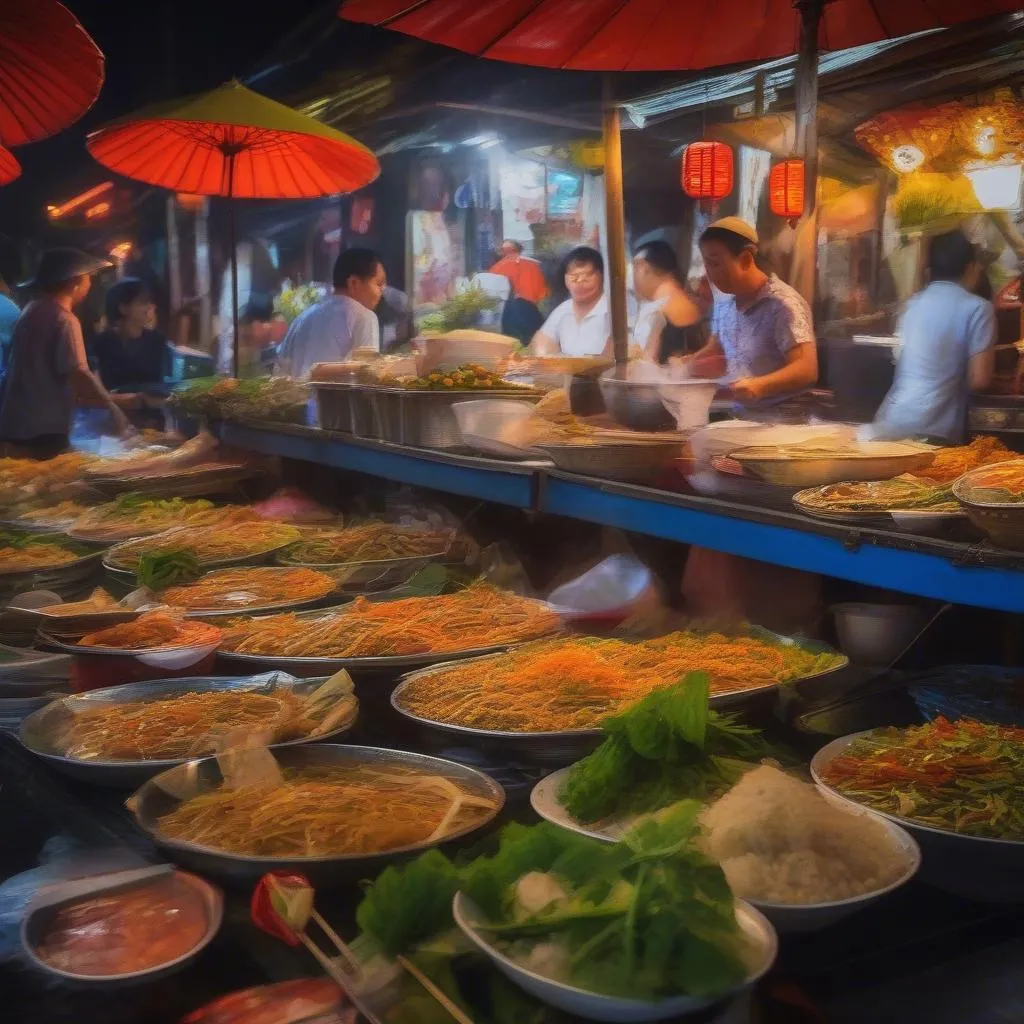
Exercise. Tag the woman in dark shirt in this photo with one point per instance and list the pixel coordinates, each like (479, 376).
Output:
(130, 356)
(656, 279)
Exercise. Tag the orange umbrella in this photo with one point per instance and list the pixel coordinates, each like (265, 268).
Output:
(50, 70)
(9, 167)
(236, 144)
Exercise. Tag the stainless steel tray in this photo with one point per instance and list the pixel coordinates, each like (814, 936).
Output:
(162, 794)
(217, 480)
(542, 748)
(345, 406)
(128, 575)
(989, 870)
(38, 733)
(63, 580)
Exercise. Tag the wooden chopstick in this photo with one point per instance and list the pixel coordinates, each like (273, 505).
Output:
(455, 1012)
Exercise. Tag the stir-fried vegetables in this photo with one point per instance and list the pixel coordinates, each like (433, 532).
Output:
(964, 776)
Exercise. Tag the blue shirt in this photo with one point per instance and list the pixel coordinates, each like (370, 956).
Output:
(943, 327)
(9, 313)
(327, 333)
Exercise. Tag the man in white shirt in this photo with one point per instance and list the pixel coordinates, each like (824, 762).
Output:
(329, 331)
(946, 349)
(580, 326)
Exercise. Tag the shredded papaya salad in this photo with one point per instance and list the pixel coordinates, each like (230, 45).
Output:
(964, 776)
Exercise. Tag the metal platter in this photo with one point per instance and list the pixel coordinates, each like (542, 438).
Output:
(545, 801)
(128, 575)
(69, 646)
(38, 733)
(162, 794)
(219, 479)
(990, 870)
(548, 748)
(305, 667)
(62, 580)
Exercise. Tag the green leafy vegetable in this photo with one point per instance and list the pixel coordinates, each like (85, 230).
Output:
(167, 569)
(666, 747)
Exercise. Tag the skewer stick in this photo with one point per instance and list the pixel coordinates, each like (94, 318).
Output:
(337, 974)
(339, 945)
(455, 1012)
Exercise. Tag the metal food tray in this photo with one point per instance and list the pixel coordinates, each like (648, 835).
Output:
(631, 463)
(565, 746)
(63, 580)
(39, 730)
(989, 870)
(162, 794)
(424, 419)
(183, 485)
(346, 406)
(262, 558)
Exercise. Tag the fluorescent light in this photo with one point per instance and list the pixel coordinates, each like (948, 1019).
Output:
(997, 186)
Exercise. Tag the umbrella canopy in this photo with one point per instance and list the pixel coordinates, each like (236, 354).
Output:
(9, 167)
(235, 143)
(50, 70)
(655, 35)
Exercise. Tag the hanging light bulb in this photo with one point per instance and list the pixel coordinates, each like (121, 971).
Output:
(985, 139)
(906, 158)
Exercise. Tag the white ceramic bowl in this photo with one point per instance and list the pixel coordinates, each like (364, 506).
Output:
(483, 420)
(441, 352)
(875, 634)
(612, 1009)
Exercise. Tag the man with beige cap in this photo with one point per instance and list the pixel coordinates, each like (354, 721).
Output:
(762, 329)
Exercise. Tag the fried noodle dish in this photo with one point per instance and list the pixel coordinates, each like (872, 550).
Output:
(135, 515)
(224, 589)
(576, 682)
(153, 631)
(193, 724)
(324, 812)
(479, 616)
(964, 776)
(951, 463)
(208, 543)
(368, 542)
(26, 552)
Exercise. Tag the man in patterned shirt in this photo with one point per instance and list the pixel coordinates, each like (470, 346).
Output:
(761, 331)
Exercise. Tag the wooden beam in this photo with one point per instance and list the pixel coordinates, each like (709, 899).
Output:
(615, 224)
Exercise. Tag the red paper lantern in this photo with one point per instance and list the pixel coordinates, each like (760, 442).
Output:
(786, 189)
(707, 170)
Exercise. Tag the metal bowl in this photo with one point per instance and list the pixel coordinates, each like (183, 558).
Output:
(162, 794)
(617, 1010)
(42, 911)
(38, 733)
(635, 404)
(542, 748)
(989, 870)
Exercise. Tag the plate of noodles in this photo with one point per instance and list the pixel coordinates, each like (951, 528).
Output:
(123, 735)
(23, 552)
(548, 698)
(140, 515)
(249, 590)
(211, 546)
(381, 634)
(336, 813)
(373, 543)
(149, 638)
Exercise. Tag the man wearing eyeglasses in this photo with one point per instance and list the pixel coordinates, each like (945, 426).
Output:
(580, 326)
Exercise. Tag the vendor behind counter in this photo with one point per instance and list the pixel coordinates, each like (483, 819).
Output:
(130, 356)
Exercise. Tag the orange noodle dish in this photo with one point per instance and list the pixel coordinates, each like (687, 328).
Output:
(153, 631)
(21, 552)
(569, 683)
(208, 544)
(329, 811)
(138, 929)
(479, 616)
(950, 463)
(194, 724)
(225, 589)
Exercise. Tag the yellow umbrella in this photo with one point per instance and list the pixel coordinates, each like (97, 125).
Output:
(237, 144)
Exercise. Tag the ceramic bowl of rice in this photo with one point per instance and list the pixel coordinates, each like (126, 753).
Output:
(802, 857)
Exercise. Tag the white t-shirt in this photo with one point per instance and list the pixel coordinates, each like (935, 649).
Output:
(942, 329)
(326, 333)
(575, 337)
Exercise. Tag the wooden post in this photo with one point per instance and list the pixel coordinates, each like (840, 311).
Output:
(203, 276)
(615, 224)
(805, 88)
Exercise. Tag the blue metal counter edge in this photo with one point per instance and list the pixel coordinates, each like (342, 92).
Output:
(909, 572)
(452, 474)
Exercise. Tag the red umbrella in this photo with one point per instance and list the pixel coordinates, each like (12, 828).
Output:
(665, 35)
(656, 35)
(9, 167)
(50, 70)
(235, 143)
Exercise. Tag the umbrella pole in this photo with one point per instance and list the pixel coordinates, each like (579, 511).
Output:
(615, 224)
(234, 264)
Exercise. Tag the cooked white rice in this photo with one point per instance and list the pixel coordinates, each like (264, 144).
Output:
(780, 841)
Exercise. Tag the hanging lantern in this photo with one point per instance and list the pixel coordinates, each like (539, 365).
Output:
(786, 189)
(707, 170)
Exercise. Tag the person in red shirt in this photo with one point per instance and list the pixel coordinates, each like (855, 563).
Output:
(525, 275)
